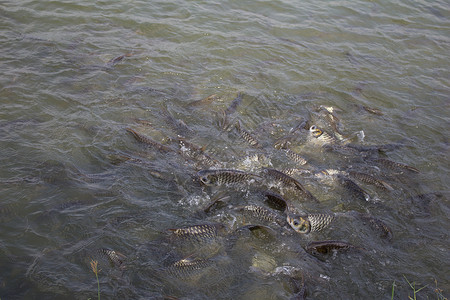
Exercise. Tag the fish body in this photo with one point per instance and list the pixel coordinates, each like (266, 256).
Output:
(371, 180)
(247, 136)
(201, 232)
(196, 153)
(234, 104)
(395, 165)
(377, 225)
(309, 223)
(262, 214)
(355, 190)
(225, 176)
(295, 157)
(148, 141)
(188, 267)
(289, 182)
(320, 137)
(115, 257)
(325, 247)
(276, 201)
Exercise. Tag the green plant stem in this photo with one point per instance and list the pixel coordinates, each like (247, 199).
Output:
(98, 286)
(393, 286)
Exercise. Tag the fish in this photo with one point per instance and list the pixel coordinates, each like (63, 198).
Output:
(196, 153)
(234, 104)
(205, 101)
(148, 141)
(295, 157)
(177, 125)
(115, 257)
(325, 247)
(247, 136)
(371, 180)
(202, 232)
(262, 214)
(299, 126)
(377, 225)
(355, 190)
(327, 112)
(373, 148)
(318, 136)
(225, 176)
(395, 165)
(188, 267)
(309, 223)
(117, 59)
(276, 201)
(284, 142)
(374, 111)
(289, 181)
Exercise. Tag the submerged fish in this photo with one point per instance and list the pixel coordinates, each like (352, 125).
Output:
(325, 247)
(371, 180)
(148, 141)
(295, 157)
(188, 267)
(377, 225)
(115, 257)
(289, 182)
(234, 104)
(225, 176)
(247, 136)
(355, 190)
(201, 232)
(177, 125)
(196, 153)
(276, 201)
(395, 165)
(309, 223)
(262, 214)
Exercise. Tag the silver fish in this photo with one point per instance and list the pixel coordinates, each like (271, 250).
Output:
(262, 214)
(225, 176)
(247, 136)
(188, 267)
(115, 257)
(148, 141)
(371, 180)
(196, 153)
(289, 182)
(320, 137)
(325, 247)
(295, 157)
(201, 232)
(395, 165)
(309, 223)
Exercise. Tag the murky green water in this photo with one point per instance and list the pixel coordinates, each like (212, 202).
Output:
(75, 75)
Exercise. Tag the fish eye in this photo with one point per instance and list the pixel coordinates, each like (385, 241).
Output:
(313, 127)
(204, 179)
(296, 223)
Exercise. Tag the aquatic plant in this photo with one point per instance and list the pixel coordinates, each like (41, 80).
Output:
(94, 265)
(437, 290)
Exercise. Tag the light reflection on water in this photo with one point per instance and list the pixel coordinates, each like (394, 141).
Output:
(74, 181)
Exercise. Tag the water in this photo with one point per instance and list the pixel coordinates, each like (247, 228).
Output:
(76, 75)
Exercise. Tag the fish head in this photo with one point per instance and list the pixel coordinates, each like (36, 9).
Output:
(315, 132)
(207, 178)
(300, 224)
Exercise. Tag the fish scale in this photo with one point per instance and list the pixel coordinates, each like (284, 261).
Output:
(225, 176)
(295, 157)
(309, 223)
(262, 214)
(370, 180)
(201, 232)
